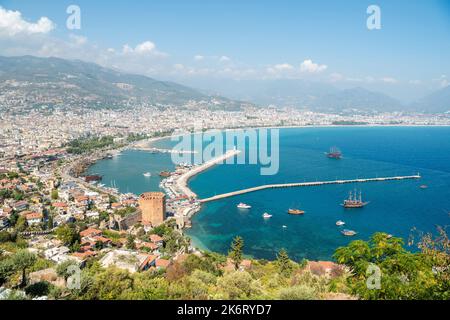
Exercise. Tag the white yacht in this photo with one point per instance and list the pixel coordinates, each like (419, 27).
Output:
(340, 223)
(267, 216)
(243, 206)
(147, 174)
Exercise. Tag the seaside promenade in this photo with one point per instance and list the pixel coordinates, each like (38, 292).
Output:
(184, 178)
(304, 184)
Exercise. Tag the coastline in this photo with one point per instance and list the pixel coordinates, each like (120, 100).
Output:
(150, 142)
(198, 244)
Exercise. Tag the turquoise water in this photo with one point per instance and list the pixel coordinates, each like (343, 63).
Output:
(395, 207)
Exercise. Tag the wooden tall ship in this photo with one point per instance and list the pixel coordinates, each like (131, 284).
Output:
(354, 201)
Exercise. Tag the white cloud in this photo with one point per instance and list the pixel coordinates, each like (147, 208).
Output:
(415, 82)
(283, 67)
(335, 77)
(144, 48)
(78, 40)
(311, 67)
(443, 81)
(199, 57)
(279, 69)
(12, 24)
(224, 59)
(389, 80)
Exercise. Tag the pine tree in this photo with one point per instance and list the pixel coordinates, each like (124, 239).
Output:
(235, 253)
(284, 263)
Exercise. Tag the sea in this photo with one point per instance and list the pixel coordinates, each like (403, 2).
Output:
(401, 208)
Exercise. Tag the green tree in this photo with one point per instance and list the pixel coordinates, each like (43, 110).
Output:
(130, 242)
(55, 194)
(6, 269)
(68, 234)
(23, 259)
(235, 253)
(63, 269)
(21, 224)
(285, 265)
(404, 275)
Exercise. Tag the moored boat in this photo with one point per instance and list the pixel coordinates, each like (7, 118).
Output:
(267, 215)
(147, 174)
(297, 212)
(243, 206)
(164, 174)
(348, 233)
(340, 223)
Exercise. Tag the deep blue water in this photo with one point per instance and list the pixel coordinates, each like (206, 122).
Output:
(395, 207)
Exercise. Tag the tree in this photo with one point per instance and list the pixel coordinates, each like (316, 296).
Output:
(21, 224)
(130, 242)
(6, 269)
(23, 259)
(284, 263)
(401, 274)
(5, 236)
(68, 234)
(235, 253)
(55, 194)
(63, 269)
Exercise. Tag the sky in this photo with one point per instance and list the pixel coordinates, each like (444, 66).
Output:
(204, 41)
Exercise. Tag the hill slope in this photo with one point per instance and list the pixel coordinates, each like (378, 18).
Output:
(52, 81)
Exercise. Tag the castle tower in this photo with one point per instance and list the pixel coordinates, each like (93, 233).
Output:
(153, 207)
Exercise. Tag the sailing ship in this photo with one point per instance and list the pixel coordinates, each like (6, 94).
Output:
(334, 153)
(354, 201)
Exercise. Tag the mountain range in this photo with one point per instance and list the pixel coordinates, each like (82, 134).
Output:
(37, 81)
(322, 96)
(29, 81)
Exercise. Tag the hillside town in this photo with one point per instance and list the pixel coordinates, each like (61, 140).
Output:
(49, 207)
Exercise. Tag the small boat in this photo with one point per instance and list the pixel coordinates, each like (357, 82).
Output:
(164, 174)
(348, 233)
(243, 206)
(340, 223)
(424, 186)
(389, 236)
(147, 174)
(297, 212)
(284, 227)
(267, 216)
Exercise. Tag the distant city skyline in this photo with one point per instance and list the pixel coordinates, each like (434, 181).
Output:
(201, 42)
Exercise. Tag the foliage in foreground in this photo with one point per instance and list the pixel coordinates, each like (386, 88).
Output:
(403, 275)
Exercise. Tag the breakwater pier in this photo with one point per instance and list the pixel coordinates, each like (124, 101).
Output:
(305, 184)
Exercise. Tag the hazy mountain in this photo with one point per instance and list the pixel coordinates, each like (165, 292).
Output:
(318, 96)
(281, 92)
(357, 99)
(437, 102)
(53, 81)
